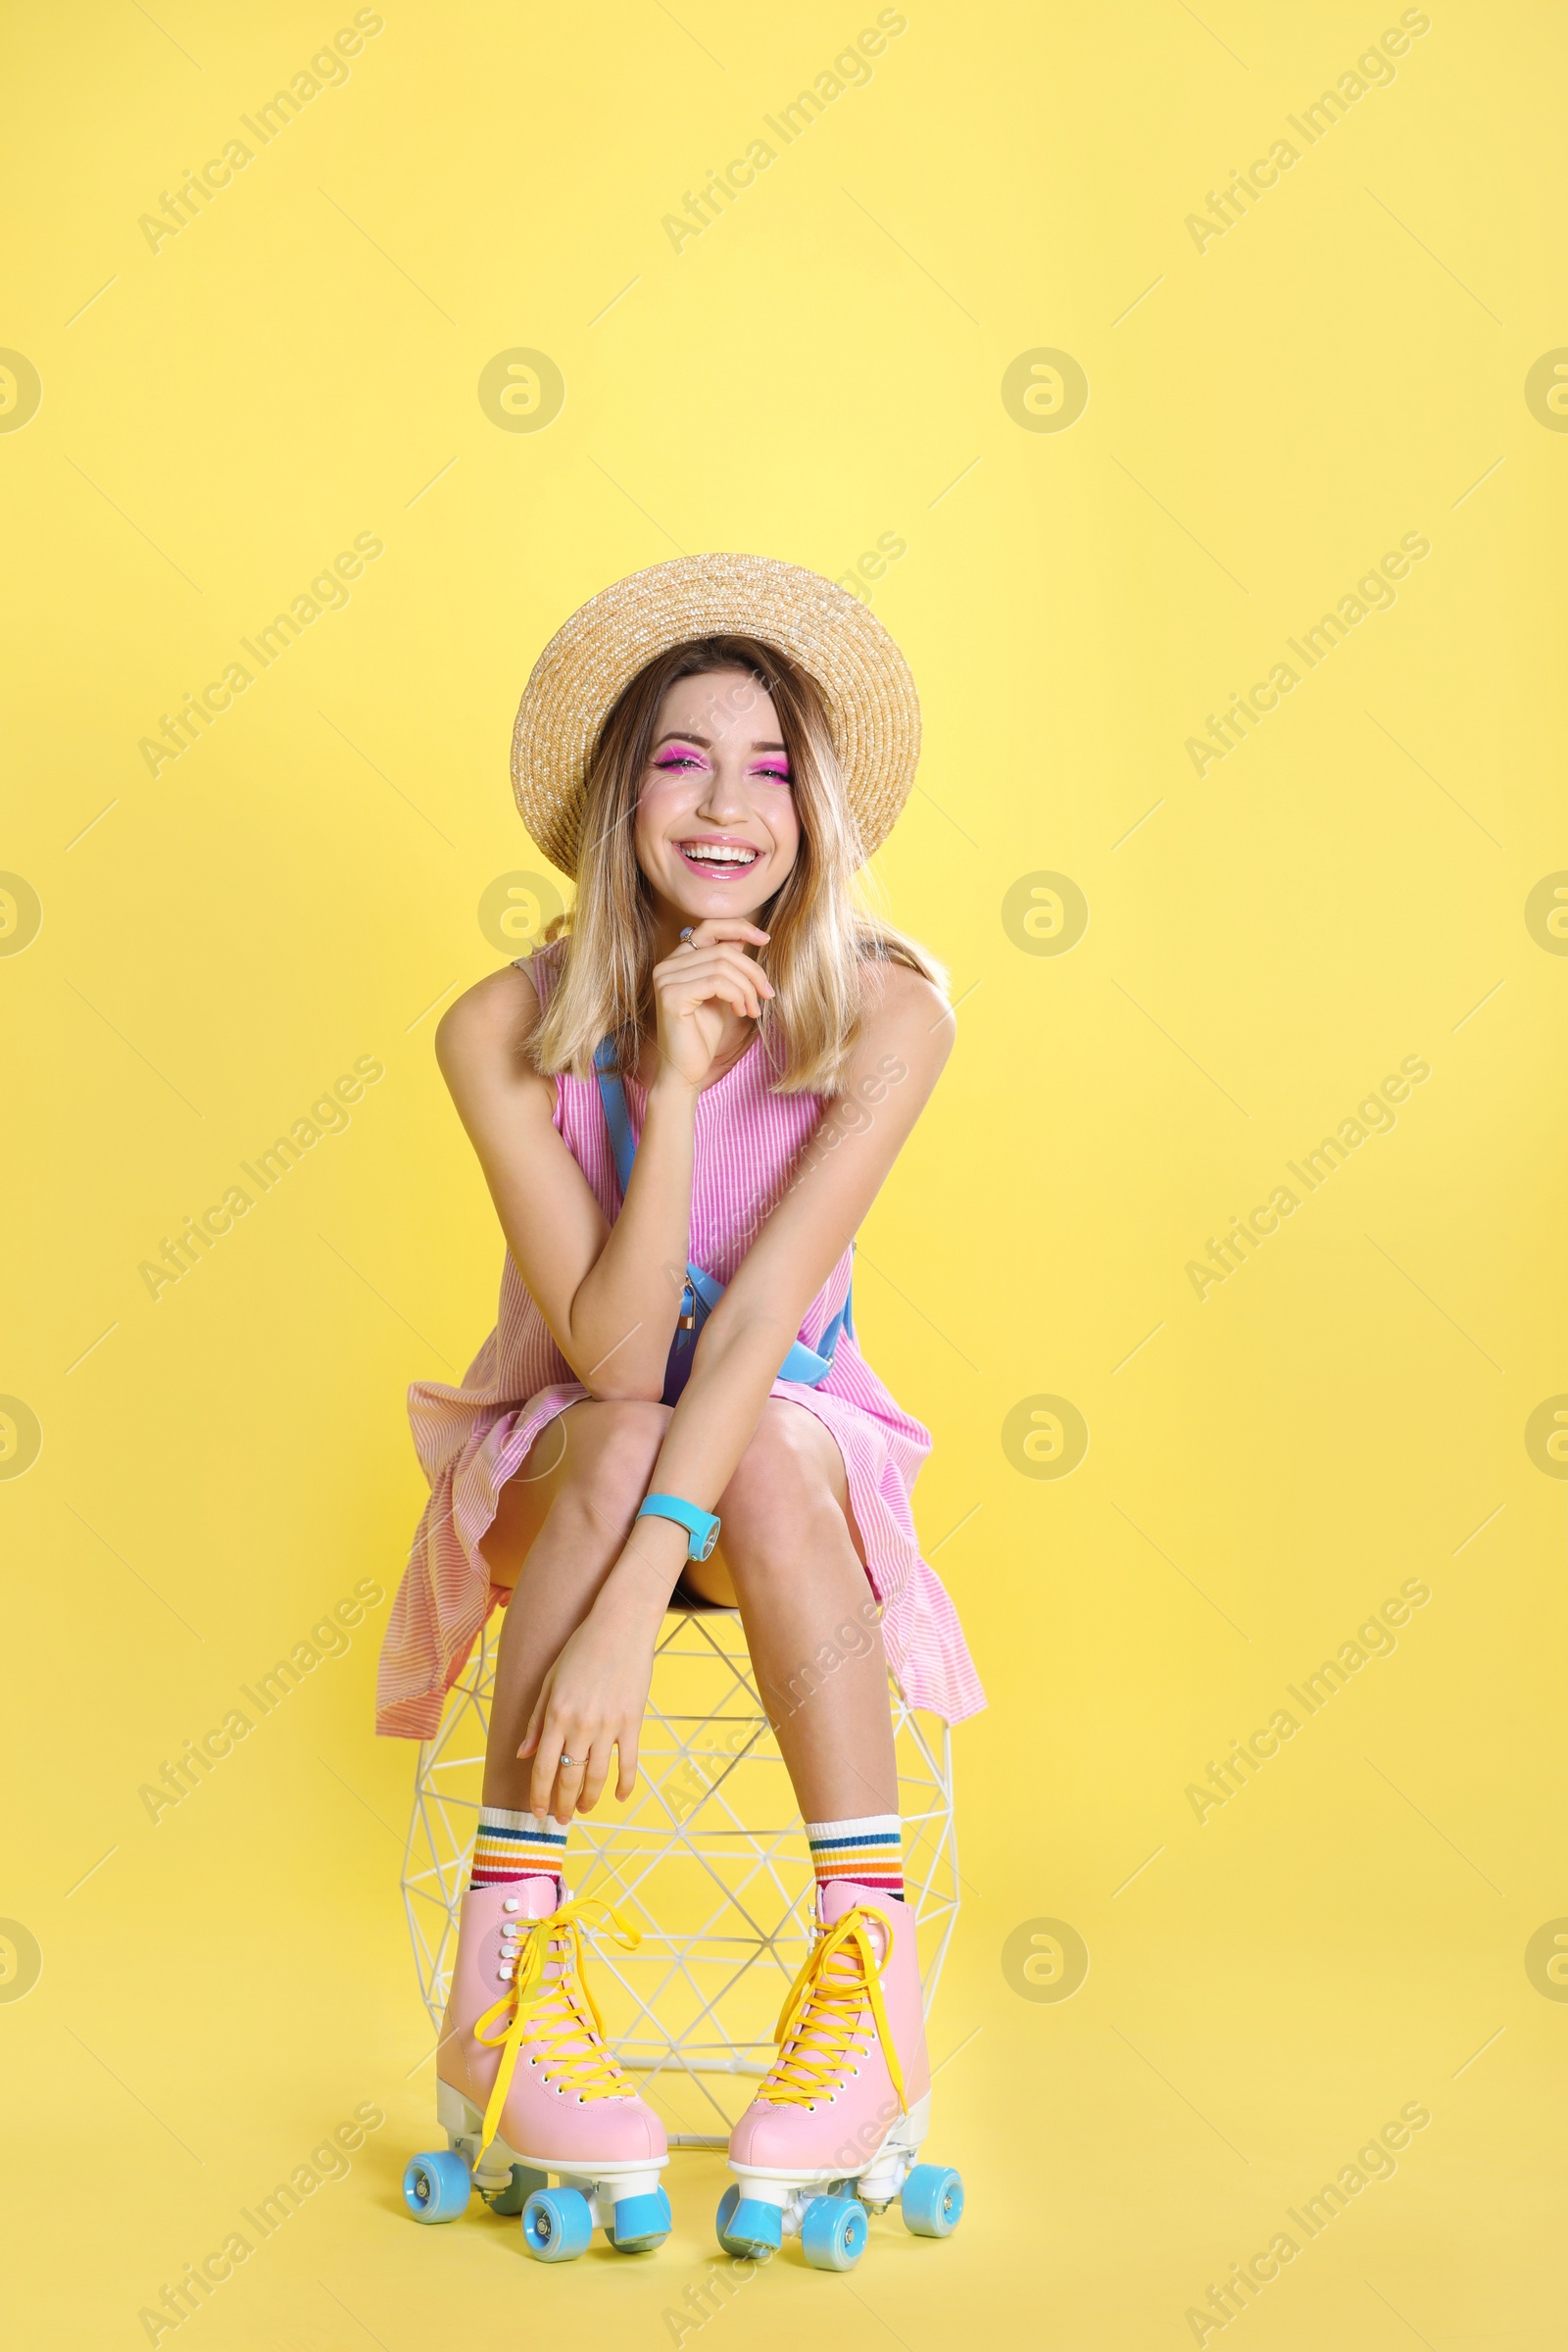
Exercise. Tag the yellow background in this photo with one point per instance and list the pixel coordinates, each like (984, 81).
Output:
(822, 365)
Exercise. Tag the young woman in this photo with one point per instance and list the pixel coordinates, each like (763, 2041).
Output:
(684, 1106)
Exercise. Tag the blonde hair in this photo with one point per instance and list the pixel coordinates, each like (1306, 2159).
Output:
(822, 933)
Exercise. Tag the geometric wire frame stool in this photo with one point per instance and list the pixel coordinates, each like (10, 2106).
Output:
(707, 1858)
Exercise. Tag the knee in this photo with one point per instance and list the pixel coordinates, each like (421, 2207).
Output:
(778, 1499)
(610, 1456)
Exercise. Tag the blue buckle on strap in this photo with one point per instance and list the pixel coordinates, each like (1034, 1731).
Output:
(809, 1366)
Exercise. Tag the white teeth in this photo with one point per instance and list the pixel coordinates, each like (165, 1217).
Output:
(714, 853)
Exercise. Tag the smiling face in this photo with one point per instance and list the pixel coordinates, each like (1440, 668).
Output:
(716, 830)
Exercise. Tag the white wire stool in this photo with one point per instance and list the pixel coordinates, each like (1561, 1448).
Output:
(723, 1903)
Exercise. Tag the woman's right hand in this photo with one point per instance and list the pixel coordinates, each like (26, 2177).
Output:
(588, 1717)
(692, 988)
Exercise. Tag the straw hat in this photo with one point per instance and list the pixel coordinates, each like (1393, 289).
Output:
(871, 704)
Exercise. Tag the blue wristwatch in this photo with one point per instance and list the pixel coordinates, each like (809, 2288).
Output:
(702, 1528)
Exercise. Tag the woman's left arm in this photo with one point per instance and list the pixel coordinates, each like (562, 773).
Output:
(594, 1695)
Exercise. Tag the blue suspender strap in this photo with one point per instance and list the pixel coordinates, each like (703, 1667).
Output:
(707, 1288)
(809, 1366)
(617, 1118)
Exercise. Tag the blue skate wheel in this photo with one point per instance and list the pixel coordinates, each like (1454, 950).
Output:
(641, 2222)
(747, 2227)
(512, 2199)
(833, 2231)
(435, 2188)
(557, 2224)
(933, 2200)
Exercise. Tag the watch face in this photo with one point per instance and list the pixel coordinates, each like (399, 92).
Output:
(709, 1541)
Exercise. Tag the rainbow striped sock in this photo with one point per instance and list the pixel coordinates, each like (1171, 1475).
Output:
(516, 1846)
(868, 1849)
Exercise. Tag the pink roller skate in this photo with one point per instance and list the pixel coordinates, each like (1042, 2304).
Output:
(526, 2088)
(838, 2123)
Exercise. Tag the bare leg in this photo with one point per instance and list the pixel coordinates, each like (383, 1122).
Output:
(792, 1563)
(559, 1531)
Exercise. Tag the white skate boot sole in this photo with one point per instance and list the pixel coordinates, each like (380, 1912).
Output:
(876, 2178)
(602, 2185)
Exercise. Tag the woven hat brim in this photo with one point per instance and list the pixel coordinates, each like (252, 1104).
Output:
(872, 708)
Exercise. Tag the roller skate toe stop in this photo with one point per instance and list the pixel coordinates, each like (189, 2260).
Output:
(747, 2227)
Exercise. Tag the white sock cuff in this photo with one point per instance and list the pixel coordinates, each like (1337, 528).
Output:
(497, 1817)
(863, 1825)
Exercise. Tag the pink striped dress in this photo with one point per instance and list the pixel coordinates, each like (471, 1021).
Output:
(471, 1439)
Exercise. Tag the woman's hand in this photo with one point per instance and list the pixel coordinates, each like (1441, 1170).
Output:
(692, 988)
(591, 1701)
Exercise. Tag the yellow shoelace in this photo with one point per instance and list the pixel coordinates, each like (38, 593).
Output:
(549, 2006)
(819, 2028)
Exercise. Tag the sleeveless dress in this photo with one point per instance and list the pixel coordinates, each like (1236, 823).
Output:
(472, 1439)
